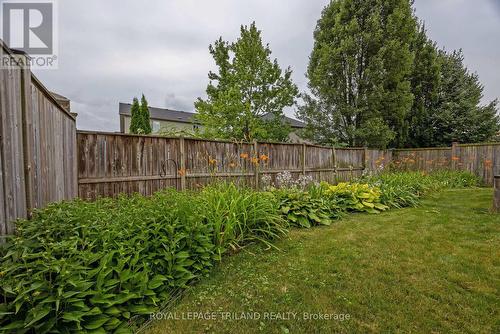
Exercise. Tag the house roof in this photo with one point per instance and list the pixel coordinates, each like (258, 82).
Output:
(162, 114)
(188, 117)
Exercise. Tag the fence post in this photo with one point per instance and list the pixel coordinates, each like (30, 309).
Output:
(27, 129)
(256, 149)
(304, 146)
(496, 195)
(454, 155)
(182, 164)
(365, 159)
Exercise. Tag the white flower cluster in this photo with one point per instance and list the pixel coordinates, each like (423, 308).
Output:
(285, 180)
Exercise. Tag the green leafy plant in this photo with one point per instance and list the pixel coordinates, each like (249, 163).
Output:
(402, 189)
(92, 266)
(239, 216)
(356, 196)
(303, 210)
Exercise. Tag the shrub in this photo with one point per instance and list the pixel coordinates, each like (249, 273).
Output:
(355, 196)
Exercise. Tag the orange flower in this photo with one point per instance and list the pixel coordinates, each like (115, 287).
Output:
(212, 161)
(182, 171)
(255, 160)
(264, 157)
(455, 158)
(244, 155)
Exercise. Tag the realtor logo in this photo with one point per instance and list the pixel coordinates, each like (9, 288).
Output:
(30, 26)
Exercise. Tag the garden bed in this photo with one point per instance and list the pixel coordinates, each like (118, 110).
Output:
(105, 266)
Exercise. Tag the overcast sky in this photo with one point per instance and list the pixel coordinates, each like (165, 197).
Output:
(111, 51)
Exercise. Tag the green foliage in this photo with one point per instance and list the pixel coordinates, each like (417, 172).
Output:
(93, 266)
(459, 115)
(247, 95)
(239, 216)
(359, 73)
(418, 270)
(376, 79)
(140, 122)
(402, 189)
(136, 119)
(79, 266)
(145, 121)
(425, 85)
(355, 196)
(303, 210)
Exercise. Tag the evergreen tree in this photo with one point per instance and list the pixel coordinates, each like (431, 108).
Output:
(425, 84)
(359, 73)
(247, 86)
(136, 118)
(459, 115)
(145, 117)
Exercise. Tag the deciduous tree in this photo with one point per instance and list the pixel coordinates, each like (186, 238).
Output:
(247, 86)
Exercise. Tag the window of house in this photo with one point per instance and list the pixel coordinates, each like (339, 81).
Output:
(156, 126)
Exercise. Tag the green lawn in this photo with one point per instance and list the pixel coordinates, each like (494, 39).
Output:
(435, 268)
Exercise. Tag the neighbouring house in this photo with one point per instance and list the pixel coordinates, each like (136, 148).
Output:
(169, 120)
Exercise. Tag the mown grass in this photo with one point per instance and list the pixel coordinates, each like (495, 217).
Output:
(431, 269)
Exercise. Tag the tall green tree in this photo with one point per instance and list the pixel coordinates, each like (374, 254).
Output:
(145, 117)
(359, 73)
(459, 114)
(247, 86)
(425, 86)
(136, 117)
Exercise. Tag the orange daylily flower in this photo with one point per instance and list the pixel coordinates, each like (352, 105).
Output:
(264, 157)
(244, 155)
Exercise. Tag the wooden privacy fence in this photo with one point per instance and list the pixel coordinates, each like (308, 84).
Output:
(482, 159)
(37, 145)
(111, 163)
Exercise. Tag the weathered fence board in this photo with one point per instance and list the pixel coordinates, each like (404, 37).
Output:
(482, 160)
(109, 163)
(14, 200)
(37, 147)
(426, 159)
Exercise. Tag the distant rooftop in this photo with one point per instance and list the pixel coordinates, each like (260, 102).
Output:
(164, 114)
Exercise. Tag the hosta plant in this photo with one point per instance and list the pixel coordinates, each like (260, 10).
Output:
(355, 196)
(302, 210)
